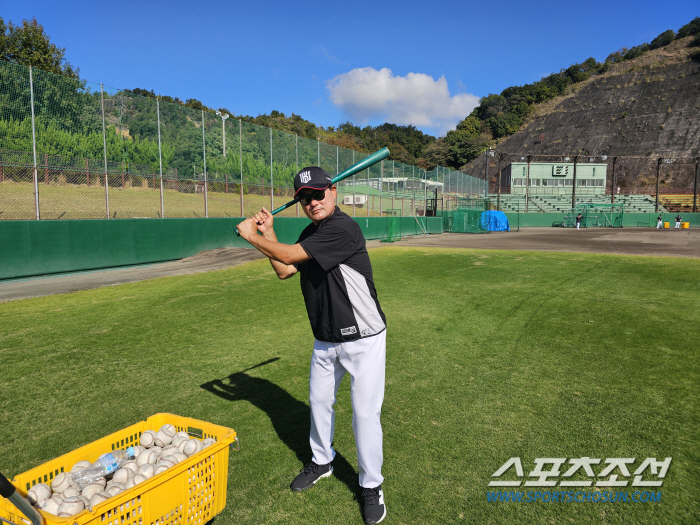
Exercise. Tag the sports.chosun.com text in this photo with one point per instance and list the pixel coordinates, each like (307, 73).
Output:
(572, 497)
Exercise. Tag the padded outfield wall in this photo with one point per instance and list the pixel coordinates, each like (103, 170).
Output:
(29, 248)
(630, 220)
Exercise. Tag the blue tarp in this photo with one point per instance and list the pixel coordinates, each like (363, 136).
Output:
(494, 221)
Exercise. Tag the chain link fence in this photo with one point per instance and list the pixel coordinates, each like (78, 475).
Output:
(72, 149)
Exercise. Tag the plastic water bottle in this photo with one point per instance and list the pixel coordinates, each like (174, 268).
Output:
(106, 464)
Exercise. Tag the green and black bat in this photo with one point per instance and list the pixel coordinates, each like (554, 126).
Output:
(375, 157)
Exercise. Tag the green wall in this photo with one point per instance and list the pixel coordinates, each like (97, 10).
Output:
(630, 220)
(29, 248)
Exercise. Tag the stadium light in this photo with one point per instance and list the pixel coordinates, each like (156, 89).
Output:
(223, 116)
(566, 159)
(603, 158)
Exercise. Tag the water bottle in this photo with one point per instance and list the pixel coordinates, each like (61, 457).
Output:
(106, 464)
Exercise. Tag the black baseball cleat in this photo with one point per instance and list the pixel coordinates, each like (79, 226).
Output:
(309, 475)
(373, 508)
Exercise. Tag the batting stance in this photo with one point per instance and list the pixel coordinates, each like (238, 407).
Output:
(348, 325)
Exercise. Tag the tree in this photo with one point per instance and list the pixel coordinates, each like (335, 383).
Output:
(29, 45)
(691, 28)
(663, 39)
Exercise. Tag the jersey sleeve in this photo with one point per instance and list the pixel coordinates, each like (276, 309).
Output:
(333, 244)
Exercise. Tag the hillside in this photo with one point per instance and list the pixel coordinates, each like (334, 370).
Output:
(647, 107)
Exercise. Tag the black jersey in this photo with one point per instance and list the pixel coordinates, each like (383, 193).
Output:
(337, 282)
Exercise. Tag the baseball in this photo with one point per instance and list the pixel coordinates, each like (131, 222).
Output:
(85, 501)
(192, 447)
(91, 490)
(182, 434)
(137, 450)
(169, 450)
(132, 466)
(179, 439)
(163, 439)
(148, 457)
(115, 489)
(181, 445)
(207, 442)
(70, 506)
(139, 478)
(51, 506)
(179, 456)
(171, 460)
(148, 438)
(80, 465)
(122, 475)
(39, 492)
(62, 482)
(70, 492)
(99, 498)
(169, 430)
(147, 470)
(129, 483)
(162, 467)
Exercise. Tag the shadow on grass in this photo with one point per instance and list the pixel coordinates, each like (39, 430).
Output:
(290, 417)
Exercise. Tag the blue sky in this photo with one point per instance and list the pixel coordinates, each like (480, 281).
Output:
(420, 63)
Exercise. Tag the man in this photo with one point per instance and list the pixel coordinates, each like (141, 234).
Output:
(348, 325)
(578, 221)
(678, 221)
(660, 221)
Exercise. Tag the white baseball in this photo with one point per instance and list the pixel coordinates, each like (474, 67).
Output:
(157, 449)
(139, 478)
(182, 433)
(181, 445)
(172, 460)
(99, 498)
(38, 492)
(161, 468)
(147, 439)
(71, 506)
(51, 506)
(81, 465)
(129, 483)
(91, 490)
(132, 466)
(168, 451)
(192, 447)
(70, 492)
(62, 482)
(207, 442)
(148, 457)
(121, 475)
(177, 440)
(147, 470)
(115, 489)
(162, 439)
(86, 501)
(168, 429)
(138, 449)
(180, 457)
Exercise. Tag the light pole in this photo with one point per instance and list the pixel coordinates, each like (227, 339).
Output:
(223, 116)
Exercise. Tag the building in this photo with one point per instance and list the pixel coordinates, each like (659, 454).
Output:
(554, 178)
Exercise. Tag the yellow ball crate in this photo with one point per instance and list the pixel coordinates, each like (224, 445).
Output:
(190, 493)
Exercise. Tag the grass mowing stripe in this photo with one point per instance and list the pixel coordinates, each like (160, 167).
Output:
(491, 355)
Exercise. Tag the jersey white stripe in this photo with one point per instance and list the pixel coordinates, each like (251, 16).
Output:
(367, 316)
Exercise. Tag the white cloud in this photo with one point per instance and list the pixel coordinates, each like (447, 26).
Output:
(417, 99)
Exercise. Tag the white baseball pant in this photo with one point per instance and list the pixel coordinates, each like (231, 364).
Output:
(365, 361)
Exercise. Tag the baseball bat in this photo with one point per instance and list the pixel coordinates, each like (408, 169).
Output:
(375, 157)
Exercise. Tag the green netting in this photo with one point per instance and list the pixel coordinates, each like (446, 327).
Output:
(106, 152)
(467, 217)
(596, 216)
(392, 233)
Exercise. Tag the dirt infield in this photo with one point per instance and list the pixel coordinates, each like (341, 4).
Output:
(637, 241)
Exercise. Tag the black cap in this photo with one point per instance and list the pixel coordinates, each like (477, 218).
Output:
(313, 178)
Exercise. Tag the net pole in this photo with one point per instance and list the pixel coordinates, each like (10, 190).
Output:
(658, 172)
(413, 187)
(367, 203)
(272, 184)
(104, 146)
(296, 150)
(160, 161)
(614, 181)
(353, 185)
(695, 185)
(573, 188)
(381, 187)
(240, 159)
(204, 158)
(36, 173)
(337, 150)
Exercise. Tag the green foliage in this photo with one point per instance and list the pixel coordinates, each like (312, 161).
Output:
(637, 51)
(691, 28)
(663, 39)
(29, 45)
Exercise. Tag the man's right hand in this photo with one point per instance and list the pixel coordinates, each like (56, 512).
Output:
(264, 220)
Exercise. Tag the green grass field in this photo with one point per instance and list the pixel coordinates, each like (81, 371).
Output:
(491, 355)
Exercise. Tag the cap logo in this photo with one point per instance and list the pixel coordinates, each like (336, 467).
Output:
(305, 176)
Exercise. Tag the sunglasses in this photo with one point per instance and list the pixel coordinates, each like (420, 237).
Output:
(316, 195)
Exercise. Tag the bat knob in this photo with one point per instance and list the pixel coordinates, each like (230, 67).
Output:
(238, 234)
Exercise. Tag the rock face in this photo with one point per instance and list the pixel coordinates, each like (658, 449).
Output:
(648, 108)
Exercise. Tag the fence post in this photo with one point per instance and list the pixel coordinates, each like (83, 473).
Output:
(367, 203)
(353, 185)
(46, 168)
(240, 158)
(381, 187)
(296, 152)
(36, 174)
(272, 184)
(498, 198)
(160, 162)
(204, 152)
(658, 171)
(573, 188)
(614, 182)
(336, 172)
(695, 186)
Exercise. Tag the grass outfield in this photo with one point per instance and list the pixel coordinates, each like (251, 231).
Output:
(491, 355)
